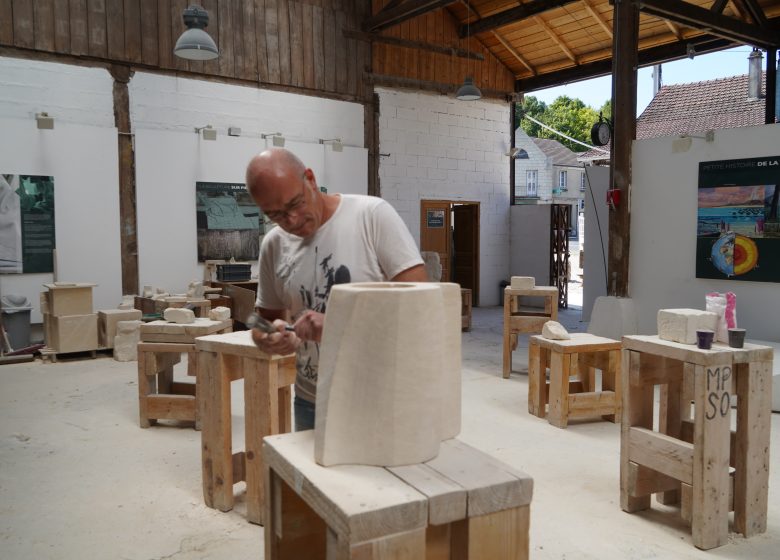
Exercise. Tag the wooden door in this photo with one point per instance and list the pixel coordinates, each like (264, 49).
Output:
(465, 250)
(436, 233)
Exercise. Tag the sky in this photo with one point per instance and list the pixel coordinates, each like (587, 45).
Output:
(595, 92)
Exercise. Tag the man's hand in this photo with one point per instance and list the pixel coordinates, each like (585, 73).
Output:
(281, 342)
(309, 326)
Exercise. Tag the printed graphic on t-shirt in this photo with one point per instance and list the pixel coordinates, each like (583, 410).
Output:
(316, 299)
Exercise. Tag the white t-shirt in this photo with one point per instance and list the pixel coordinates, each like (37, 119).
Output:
(364, 240)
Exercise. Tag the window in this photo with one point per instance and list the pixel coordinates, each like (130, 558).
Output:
(562, 175)
(531, 178)
(582, 182)
(522, 154)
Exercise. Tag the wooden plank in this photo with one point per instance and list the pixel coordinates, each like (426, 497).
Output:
(132, 27)
(272, 41)
(292, 528)
(296, 44)
(149, 32)
(239, 466)
(283, 24)
(661, 453)
(6, 23)
(61, 26)
(261, 47)
(410, 544)
(307, 30)
(23, 24)
(182, 388)
(237, 343)
(491, 485)
(719, 353)
(712, 387)
(43, 16)
(237, 23)
(171, 407)
(754, 395)
(216, 430)
(329, 48)
(447, 501)
(579, 343)
(166, 44)
(637, 411)
(146, 386)
(670, 421)
(248, 70)
(341, 53)
(96, 28)
(560, 370)
(537, 379)
(600, 403)
(177, 27)
(361, 501)
(645, 481)
(657, 370)
(115, 29)
(189, 331)
(318, 46)
(226, 39)
(503, 534)
(351, 62)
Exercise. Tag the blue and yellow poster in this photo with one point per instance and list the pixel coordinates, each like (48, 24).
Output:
(738, 230)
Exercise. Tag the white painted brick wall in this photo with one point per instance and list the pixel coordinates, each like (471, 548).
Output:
(171, 103)
(69, 93)
(441, 148)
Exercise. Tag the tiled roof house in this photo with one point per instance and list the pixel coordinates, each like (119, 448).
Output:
(694, 108)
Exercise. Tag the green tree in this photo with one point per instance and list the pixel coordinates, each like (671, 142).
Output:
(535, 108)
(606, 109)
(571, 117)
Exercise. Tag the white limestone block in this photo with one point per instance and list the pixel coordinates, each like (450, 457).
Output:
(179, 315)
(680, 325)
(159, 296)
(388, 390)
(555, 331)
(128, 335)
(128, 302)
(522, 282)
(219, 313)
(148, 291)
(195, 290)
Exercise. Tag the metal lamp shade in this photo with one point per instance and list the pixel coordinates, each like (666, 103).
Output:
(468, 91)
(196, 44)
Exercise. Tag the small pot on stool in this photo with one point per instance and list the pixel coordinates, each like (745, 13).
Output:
(736, 338)
(704, 338)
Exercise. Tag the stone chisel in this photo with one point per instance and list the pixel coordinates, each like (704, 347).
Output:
(255, 321)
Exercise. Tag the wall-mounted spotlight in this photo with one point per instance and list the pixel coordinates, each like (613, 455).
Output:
(690, 50)
(45, 122)
(277, 138)
(234, 131)
(335, 143)
(208, 132)
(195, 43)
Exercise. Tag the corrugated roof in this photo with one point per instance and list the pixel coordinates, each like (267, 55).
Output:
(560, 154)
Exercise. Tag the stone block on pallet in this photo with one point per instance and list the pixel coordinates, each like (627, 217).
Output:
(680, 325)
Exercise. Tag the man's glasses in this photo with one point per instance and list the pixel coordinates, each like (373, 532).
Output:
(291, 208)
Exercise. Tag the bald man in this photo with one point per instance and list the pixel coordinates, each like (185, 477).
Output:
(322, 240)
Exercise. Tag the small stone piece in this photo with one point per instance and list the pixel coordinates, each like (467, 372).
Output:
(179, 315)
(680, 325)
(148, 291)
(555, 331)
(160, 296)
(523, 282)
(128, 302)
(128, 335)
(219, 314)
(195, 290)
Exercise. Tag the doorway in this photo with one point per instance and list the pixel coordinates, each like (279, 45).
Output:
(451, 228)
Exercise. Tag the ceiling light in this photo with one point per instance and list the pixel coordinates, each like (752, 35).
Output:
(195, 43)
(468, 91)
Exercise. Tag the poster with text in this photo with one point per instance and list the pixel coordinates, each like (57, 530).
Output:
(27, 238)
(229, 224)
(738, 230)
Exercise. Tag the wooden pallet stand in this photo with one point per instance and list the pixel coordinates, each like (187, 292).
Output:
(222, 359)
(161, 347)
(462, 504)
(579, 356)
(465, 309)
(519, 319)
(688, 460)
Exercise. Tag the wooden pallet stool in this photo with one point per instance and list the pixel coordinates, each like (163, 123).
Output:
(465, 309)
(519, 319)
(162, 344)
(462, 504)
(581, 355)
(267, 395)
(689, 458)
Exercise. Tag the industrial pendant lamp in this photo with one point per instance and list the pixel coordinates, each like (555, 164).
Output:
(468, 91)
(195, 43)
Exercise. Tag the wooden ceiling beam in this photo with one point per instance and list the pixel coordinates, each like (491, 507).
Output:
(514, 53)
(717, 24)
(718, 6)
(674, 29)
(597, 16)
(647, 57)
(756, 13)
(398, 13)
(554, 36)
(408, 43)
(511, 15)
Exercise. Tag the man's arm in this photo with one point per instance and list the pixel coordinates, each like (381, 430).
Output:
(414, 274)
(281, 342)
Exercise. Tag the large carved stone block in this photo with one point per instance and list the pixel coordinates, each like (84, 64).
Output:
(680, 325)
(390, 372)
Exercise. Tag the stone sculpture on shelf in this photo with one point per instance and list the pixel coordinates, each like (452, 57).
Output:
(180, 315)
(522, 282)
(195, 290)
(555, 331)
(219, 313)
(128, 334)
(388, 390)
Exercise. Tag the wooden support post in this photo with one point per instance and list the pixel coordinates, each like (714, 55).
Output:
(625, 46)
(771, 86)
(371, 139)
(637, 411)
(128, 231)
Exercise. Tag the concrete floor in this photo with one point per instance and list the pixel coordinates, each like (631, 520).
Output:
(79, 479)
